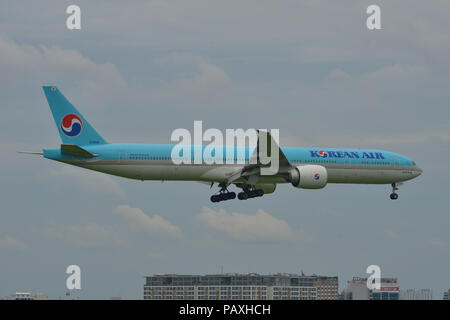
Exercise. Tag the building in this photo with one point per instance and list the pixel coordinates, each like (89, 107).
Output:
(416, 294)
(240, 286)
(357, 290)
(40, 296)
(327, 287)
(24, 296)
(447, 295)
(30, 296)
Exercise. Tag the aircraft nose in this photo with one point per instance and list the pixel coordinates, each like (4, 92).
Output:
(418, 171)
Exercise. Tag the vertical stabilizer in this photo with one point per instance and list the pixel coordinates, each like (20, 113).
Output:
(72, 126)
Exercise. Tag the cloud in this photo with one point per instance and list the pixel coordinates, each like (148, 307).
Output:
(248, 227)
(392, 235)
(338, 75)
(396, 72)
(209, 80)
(381, 79)
(155, 255)
(90, 181)
(99, 84)
(155, 225)
(90, 235)
(195, 79)
(7, 241)
(434, 243)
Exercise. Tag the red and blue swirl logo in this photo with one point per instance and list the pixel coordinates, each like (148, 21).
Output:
(316, 176)
(71, 125)
(322, 154)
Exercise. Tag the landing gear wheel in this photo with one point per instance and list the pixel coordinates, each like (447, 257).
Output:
(394, 196)
(242, 195)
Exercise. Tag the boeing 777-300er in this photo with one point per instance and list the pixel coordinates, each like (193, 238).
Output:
(304, 168)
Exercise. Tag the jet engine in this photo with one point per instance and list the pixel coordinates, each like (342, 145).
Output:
(308, 177)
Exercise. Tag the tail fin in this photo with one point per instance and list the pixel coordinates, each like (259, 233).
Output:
(72, 126)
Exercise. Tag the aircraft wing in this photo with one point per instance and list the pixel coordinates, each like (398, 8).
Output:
(266, 145)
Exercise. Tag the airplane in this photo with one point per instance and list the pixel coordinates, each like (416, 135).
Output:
(303, 168)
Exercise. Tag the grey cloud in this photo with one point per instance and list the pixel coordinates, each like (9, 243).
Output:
(88, 181)
(10, 242)
(88, 236)
(29, 65)
(260, 226)
(155, 225)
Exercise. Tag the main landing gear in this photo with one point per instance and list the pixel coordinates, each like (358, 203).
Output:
(394, 196)
(250, 194)
(224, 194)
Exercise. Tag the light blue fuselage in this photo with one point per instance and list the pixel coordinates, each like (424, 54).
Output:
(154, 162)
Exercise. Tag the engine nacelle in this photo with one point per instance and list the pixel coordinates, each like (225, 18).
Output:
(267, 187)
(309, 177)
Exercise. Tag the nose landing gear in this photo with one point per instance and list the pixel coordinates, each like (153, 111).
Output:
(394, 195)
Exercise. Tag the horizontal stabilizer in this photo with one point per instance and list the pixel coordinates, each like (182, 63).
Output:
(76, 151)
(28, 152)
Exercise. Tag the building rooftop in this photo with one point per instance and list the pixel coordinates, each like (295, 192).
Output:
(252, 279)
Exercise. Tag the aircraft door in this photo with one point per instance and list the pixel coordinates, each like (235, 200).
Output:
(122, 156)
(396, 162)
(347, 162)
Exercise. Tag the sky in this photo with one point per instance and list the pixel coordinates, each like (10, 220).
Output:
(138, 70)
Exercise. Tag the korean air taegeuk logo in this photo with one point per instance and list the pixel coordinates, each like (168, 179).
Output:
(322, 154)
(71, 125)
